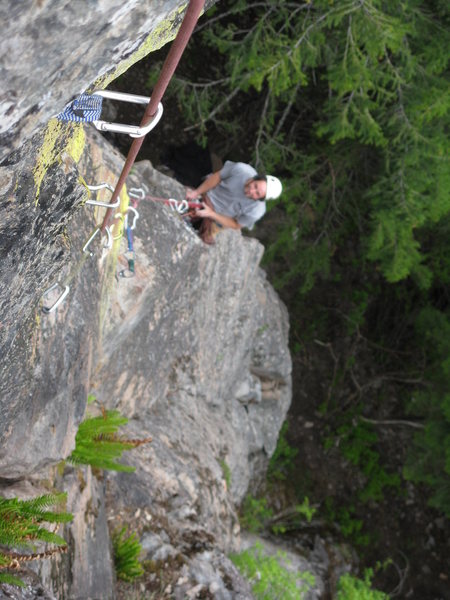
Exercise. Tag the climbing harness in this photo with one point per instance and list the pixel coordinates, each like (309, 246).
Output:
(88, 107)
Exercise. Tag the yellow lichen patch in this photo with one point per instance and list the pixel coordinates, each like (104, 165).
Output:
(58, 138)
(160, 36)
(76, 142)
(49, 153)
(109, 275)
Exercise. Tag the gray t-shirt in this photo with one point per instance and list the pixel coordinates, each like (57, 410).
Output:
(228, 197)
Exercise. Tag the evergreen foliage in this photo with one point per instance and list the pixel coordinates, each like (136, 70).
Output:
(126, 555)
(255, 514)
(226, 471)
(98, 444)
(430, 461)
(352, 588)
(22, 526)
(368, 79)
(357, 443)
(270, 580)
(281, 461)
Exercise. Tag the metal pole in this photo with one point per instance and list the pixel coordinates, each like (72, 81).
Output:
(168, 69)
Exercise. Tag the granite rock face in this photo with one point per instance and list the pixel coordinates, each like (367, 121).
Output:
(176, 349)
(201, 324)
(52, 50)
(192, 349)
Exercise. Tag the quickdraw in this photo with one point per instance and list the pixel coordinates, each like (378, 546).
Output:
(130, 254)
(84, 109)
(87, 108)
(181, 207)
(102, 186)
(168, 69)
(61, 297)
(86, 252)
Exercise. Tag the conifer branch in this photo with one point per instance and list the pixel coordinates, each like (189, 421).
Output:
(262, 121)
(392, 422)
(217, 109)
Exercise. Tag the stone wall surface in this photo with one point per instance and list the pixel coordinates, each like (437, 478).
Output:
(193, 349)
(52, 50)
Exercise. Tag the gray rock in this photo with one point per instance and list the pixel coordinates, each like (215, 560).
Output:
(193, 349)
(249, 391)
(53, 50)
(172, 340)
(215, 573)
(86, 569)
(33, 588)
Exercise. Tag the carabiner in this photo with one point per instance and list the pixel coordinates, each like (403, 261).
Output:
(60, 298)
(109, 241)
(136, 193)
(136, 217)
(96, 231)
(101, 186)
(134, 131)
(179, 206)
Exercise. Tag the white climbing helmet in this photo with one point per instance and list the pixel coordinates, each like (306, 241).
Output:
(274, 187)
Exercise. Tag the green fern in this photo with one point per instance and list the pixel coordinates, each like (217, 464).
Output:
(11, 580)
(21, 525)
(20, 520)
(126, 555)
(97, 443)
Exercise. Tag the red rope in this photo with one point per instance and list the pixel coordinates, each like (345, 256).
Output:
(167, 71)
(166, 201)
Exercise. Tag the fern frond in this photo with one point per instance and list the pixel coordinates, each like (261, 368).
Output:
(11, 580)
(98, 444)
(20, 520)
(126, 555)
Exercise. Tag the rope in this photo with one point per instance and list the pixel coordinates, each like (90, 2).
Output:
(180, 206)
(168, 69)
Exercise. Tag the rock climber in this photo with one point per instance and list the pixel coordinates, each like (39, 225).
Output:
(233, 197)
